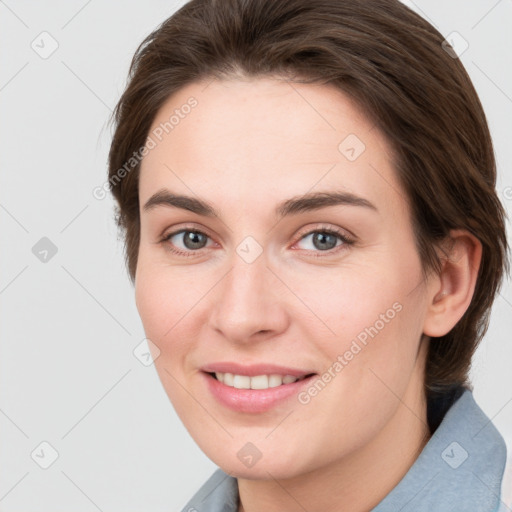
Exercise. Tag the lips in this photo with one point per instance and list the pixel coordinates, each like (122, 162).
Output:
(259, 399)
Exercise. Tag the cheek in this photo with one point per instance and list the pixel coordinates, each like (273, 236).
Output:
(163, 294)
(368, 364)
(163, 303)
(370, 314)
(344, 302)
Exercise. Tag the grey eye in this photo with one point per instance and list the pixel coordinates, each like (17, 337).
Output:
(191, 240)
(322, 240)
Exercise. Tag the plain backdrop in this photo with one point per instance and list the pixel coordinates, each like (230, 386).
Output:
(73, 396)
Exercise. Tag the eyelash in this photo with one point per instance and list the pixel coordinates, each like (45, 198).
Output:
(347, 241)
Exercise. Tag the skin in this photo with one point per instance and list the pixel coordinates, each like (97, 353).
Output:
(248, 145)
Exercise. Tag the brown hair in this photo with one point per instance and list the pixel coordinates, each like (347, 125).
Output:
(395, 67)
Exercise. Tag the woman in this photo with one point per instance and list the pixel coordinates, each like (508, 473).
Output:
(306, 191)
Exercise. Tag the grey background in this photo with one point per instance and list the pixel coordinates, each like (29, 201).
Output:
(69, 326)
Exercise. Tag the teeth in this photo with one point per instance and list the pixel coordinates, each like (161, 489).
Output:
(256, 382)
(259, 382)
(274, 381)
(241, 382)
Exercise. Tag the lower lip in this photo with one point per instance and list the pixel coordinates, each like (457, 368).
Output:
(253, 400)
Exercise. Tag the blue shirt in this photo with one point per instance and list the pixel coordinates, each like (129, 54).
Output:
(460, 469)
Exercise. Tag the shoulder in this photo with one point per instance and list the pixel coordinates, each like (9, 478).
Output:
(218, 494)
(506, 483)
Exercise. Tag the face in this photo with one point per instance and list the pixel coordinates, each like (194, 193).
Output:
(295, 256)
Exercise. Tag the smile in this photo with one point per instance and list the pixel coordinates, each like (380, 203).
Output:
(253, 394)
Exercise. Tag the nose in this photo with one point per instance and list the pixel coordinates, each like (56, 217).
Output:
(249, 302)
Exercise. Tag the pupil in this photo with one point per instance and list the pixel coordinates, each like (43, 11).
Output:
(321, 238)
(191, 240)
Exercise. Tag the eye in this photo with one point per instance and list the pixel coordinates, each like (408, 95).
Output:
(185, 241)
(325, 240)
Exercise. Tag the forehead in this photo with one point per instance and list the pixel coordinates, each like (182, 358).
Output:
(259, 138)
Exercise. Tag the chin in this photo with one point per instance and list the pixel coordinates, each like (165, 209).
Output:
(265, 468)
(260, 471)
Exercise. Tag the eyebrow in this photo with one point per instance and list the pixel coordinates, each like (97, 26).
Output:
(293, 206)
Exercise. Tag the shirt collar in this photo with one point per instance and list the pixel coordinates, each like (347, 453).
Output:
(460, 468)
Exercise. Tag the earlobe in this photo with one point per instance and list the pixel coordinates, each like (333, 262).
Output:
(452, 289)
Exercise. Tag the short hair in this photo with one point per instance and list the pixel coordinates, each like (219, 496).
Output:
(397, 69)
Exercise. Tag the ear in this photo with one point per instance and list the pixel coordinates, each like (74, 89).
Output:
(451, 291)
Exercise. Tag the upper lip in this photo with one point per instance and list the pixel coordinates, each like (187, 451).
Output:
(254, 369)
